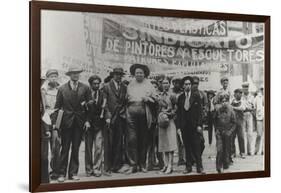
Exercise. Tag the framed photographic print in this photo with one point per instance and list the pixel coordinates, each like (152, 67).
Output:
(123, 96)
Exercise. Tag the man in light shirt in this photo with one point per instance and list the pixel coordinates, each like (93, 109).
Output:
(248, 123)
(259, 109)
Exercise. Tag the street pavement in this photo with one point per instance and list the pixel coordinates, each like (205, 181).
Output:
(251, 163)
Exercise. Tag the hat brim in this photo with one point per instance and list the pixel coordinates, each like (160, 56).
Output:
(73, 72)
(122, 73)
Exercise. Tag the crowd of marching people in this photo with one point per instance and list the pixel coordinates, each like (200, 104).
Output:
(139, 125)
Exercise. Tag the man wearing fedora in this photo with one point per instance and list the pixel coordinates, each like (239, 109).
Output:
(71, 98)
(115, 95)
(189, 118)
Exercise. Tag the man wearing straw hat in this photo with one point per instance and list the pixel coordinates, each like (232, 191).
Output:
(71, 98)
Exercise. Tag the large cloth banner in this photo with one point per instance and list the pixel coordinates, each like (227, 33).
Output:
(166, 48)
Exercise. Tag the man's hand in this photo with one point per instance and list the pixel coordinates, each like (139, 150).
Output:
(90, 102)
(48, 134)
(178, 131)
(87, 125)
(107, 121)
(199, 129)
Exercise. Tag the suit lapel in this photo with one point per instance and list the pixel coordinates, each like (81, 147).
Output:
(191, 99)
(112, 85)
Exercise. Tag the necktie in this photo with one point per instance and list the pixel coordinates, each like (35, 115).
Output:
(74, 86)
(186, 102)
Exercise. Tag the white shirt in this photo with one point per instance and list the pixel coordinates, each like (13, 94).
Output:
(136, 91)
(116, 85)
(72, 84)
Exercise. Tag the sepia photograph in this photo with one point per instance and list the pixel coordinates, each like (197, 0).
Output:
(127, 97)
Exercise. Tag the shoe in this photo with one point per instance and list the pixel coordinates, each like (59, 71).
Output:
(74, 178)
(169, 170)
(61, 179)
(181, 162)
(143, 170)
(89, 174)
(219, 171)
(97, 173)
(242, 156)
(225, 167)
(131, 170)
(201, 171)
(187, 170)
(163, 170)
(106, 173)
(54, 176)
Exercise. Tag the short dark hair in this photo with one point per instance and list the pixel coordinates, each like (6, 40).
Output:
(94, 77)
(187, 78)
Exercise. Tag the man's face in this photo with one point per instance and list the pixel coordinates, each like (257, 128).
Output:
(95, 85)
(177, 84)
(187, 85)
(195, 84)
(53, 78)
(246, 90)
(224, 102)
(238, 95)
(74, 76)
(225, 84)
(117, 77)
(165, 85)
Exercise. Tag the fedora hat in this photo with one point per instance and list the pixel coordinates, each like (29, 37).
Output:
(74, 69)
(117, 71)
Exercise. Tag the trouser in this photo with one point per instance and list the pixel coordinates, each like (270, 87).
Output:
(107, 150)
(93, 137)
(118, 143)
(239, 133)
(248, 126)
(55, 155)
(44, 155)
(260, 137)
(223, 149)
(193, 148)
(181, 150)
(152, 149)
(70, 136)
(210, 128)
(136, 135)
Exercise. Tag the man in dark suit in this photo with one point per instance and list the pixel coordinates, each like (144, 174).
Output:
(189, 117)
(115, 94)
(93, 136)
(71, 98)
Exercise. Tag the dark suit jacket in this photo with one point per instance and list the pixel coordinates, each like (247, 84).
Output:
(71, 102)
(189, 120)
(94, 111)
(116, 100)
